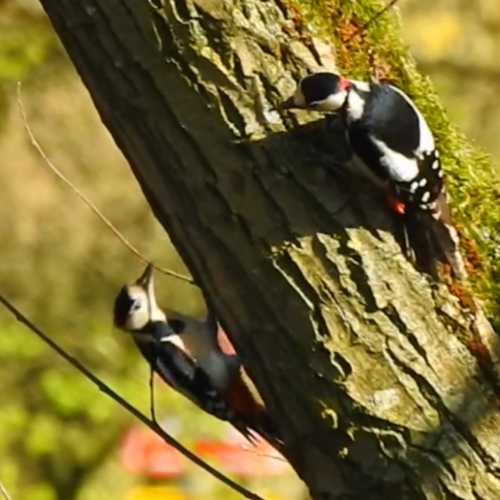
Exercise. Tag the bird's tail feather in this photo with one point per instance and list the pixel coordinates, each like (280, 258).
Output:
(433, 241)
(260, 429)
(266, 427)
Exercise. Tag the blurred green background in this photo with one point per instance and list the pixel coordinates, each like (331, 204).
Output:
(59, 437)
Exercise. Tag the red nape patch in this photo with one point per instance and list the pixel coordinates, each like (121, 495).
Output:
(344, 83)
(396, 205)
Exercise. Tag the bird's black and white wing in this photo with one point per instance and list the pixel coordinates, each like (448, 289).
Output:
(184, 375)
(391, 136)
(181, 372)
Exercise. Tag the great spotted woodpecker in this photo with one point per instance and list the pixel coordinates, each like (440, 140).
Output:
(393, 145)
(194, 357)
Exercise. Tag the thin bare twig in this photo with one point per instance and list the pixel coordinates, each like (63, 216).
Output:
(370, 21)
(263, 454)
(155, 427)
(4, 492)
(103, 218)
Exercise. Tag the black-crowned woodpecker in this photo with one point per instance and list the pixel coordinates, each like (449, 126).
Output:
(193, 357)
(393, 145)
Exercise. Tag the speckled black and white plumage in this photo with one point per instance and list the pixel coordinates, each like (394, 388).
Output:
(389, 134)
(392, 142)
(187, 355)
(181, 372)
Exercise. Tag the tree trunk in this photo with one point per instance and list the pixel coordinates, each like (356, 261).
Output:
(383, 386)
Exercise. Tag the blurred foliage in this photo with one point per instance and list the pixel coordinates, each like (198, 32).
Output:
(463, 64)
(62, 267)
(461, 56)
(22, 50)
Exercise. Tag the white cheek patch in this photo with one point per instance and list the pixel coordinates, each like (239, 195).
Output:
(332, 103)
(137, 320)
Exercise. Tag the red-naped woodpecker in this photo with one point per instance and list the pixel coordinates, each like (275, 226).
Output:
(193, 357)
(393, 145)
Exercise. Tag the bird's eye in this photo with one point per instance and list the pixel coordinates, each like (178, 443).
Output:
(136, 305)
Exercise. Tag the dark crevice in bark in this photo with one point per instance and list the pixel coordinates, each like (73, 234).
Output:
(438, 458)
(450, 494)
(394, 316)
(453, 418)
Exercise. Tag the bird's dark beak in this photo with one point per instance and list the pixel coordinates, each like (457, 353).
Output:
(288, 104)
(145, 280)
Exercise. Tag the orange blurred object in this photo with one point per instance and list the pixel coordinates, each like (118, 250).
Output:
(238, 456)
(144, 452)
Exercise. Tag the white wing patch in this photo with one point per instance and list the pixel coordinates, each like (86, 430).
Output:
(426, 196)
(176, 340)
(399, 167)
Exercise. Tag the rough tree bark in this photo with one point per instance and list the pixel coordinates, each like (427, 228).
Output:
(382, 385)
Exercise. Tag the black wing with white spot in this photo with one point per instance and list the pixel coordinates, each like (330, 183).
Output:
(388, 133)
(390, 118)
(425, 189)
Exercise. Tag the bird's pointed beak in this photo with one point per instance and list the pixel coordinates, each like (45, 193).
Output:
(146, 281)
(288, 104)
